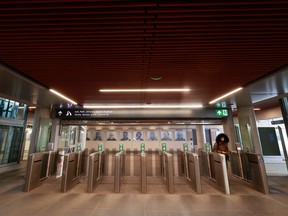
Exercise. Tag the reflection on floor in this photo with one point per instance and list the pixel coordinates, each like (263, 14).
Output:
(47, 199)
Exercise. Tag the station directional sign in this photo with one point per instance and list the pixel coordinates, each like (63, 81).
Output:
(221, 112)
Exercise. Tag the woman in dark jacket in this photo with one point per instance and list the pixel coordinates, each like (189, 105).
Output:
(221, 145)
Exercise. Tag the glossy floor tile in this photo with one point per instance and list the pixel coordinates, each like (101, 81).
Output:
(48, 200)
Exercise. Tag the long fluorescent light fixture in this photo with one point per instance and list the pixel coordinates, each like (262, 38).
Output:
(140, 106)
(146, 90)
(230, 93)
(62, 96)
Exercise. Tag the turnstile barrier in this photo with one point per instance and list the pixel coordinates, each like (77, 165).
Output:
(168, 171)
(39, 167)
(73, 170)
(119, 171)
(95, 172)
(193, 170)
(258, 173)
(220, 172)
(143, 166)
(214, 167)
(250, 168)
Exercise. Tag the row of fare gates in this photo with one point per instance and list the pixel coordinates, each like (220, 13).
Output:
(91, 167)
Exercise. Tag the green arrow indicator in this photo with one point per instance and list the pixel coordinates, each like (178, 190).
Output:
(222, 112)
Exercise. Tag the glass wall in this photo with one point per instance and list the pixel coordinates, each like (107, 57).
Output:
(44, 134)
(10, 143)
(12, 121)
(72, 138)
(12, 109)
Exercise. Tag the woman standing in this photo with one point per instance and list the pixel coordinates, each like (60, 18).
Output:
(221, 145)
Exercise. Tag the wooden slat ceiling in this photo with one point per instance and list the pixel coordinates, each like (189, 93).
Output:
(78, 47)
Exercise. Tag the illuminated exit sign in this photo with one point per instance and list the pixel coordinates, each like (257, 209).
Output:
(221, 112)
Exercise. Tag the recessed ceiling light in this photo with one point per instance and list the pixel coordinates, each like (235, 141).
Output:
(191, 106)
(156, 77)
(223, 96)
(146, 90)
(62, 96)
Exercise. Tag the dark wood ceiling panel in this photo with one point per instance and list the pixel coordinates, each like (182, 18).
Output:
(79, 47)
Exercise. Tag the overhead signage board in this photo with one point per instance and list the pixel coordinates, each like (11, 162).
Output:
(81, 113)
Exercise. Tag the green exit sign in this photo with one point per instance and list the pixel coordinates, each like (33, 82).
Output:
(164, 147)
(221, 112)
(222, 104)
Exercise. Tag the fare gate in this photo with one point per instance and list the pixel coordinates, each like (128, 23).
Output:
(250, 168)
(40, 167)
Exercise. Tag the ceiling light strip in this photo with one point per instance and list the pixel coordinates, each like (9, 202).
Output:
(141, 106)
(145, 90)
(62, 96)
(230, 93)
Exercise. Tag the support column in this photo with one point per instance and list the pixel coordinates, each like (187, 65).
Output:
(247, 122)
(55, 136)
(229, 129)
(284, 109)
(200, 132)
(248, 129)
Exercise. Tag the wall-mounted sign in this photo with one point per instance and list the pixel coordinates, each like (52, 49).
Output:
(221, 112)
(221, 104)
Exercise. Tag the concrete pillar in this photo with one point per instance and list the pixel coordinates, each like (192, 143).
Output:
(229, 130)
(247, 123)
(55, 133)
(200, 133)
(284, 110)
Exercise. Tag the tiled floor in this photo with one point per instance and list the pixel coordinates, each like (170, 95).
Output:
(47, 199)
